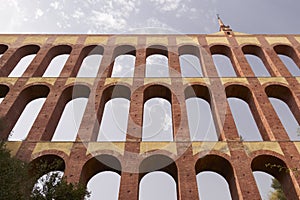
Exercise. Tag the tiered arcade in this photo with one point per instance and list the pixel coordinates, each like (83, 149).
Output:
(182, 158)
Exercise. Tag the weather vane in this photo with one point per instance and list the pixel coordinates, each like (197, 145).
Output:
(223, 27)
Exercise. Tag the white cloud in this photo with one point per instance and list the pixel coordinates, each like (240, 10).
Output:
(94, 16)
(78, 14)
(157, 59)
(38, 13)
(152, 26)
(125, 7)
(155, 22)
(106, 21)
(112, 16)
(55, 5)
(124, 66)
(59, 24)
(167, 5)
(13, 13)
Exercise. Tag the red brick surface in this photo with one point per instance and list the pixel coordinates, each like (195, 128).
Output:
(235, 166)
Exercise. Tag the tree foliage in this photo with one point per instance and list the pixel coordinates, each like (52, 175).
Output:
(54, 187)
(277, 194)
(17, 180)
(13, 176)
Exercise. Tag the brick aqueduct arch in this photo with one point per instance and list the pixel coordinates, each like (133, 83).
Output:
(182, 158)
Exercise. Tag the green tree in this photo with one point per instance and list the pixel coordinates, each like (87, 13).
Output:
(56, 188)
(277, 194)
(15, 184)
(18, 181)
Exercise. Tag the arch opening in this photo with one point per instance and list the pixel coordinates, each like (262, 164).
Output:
(277, 169)
(40, 187)
(190, 66)
(56, 65)
(157, 120)
(20, 60)
(159, 107)
(22, 65)
(72, 102)
(50, 161)
(266, 183)
(70, 120)
(211, 185)
(157, 185)
(200, 116)
(223, 65)
(245, 114)
(200, 120)
(3, 49)
(100, 163)
(257, 60)
(286, 108)
(3, 91)
(24, 99)
(290, 64)
(222, 58)
(90, 66)
(104, 185)
(157, 169)
(123, 66)
(88, 62)
(47, 168)
(286, 117)
(289, 57)
(244, 120)
(157, 66)
(257, 65)
(26, 120)
(114, 120)
(220, 170)
(108, 112)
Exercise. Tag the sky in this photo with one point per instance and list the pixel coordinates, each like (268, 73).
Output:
(149, 16)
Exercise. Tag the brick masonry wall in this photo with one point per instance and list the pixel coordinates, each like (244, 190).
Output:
(182, 158)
